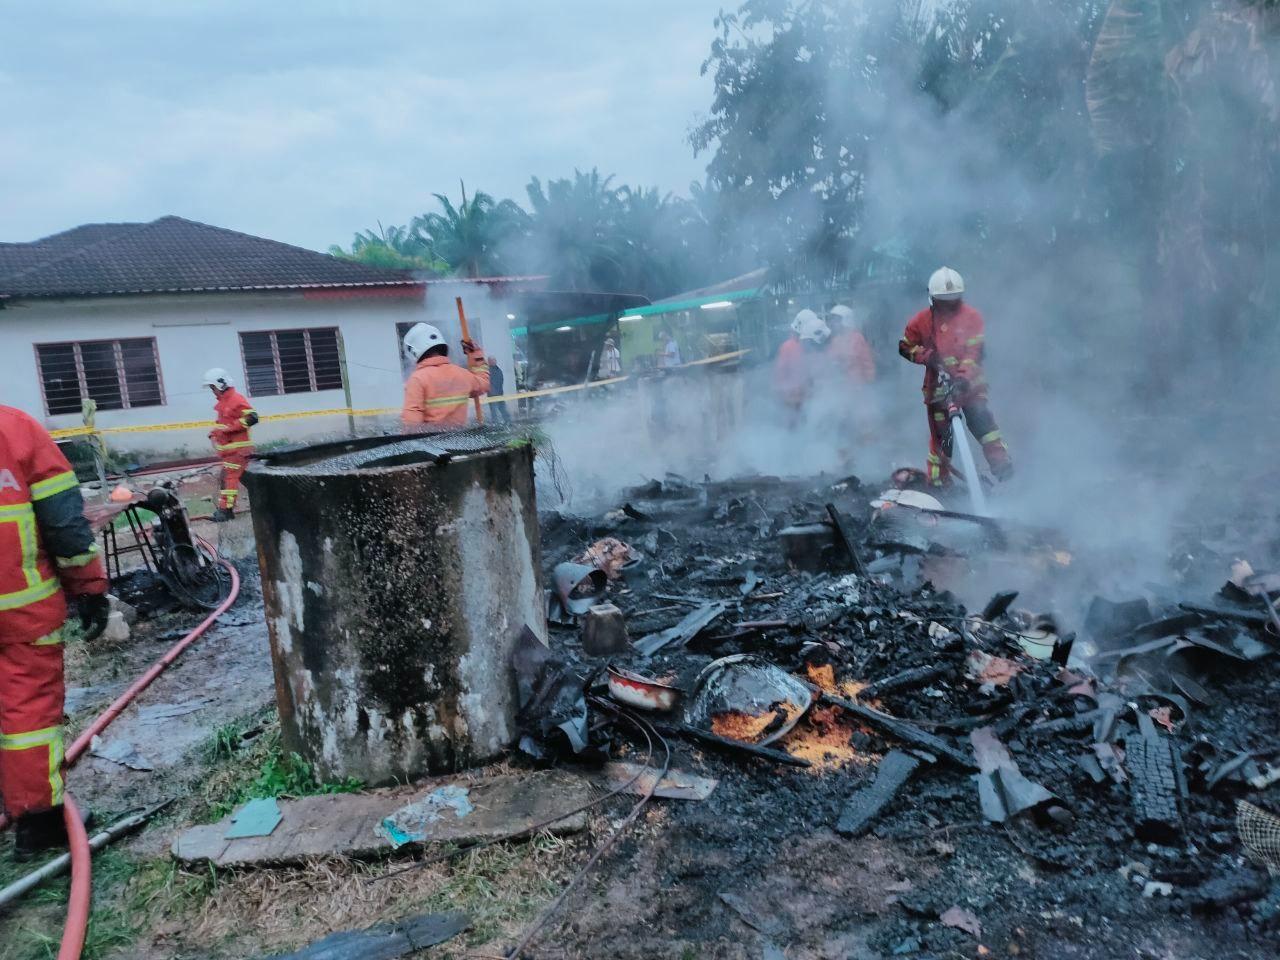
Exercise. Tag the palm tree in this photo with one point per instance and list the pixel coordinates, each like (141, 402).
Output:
(393, 247)
(573, 231)
(476, 237)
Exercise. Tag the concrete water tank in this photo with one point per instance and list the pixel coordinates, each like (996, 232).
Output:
(397, 574)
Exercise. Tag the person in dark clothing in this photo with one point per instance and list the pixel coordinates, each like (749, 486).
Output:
(496, 385)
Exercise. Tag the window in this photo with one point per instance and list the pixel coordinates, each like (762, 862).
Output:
(291, 361)
(115, 374)
(406, 365)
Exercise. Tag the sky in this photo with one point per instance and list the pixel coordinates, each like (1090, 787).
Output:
(308, 121)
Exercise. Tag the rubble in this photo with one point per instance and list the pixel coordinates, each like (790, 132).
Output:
(384, 941)
(866, 804)
(1087, 754)
(604, 631)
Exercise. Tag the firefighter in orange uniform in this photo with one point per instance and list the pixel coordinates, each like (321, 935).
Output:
(795, 368)
(47, 553)
(437, 393)
(230, 437)
(849, 348)
(947, 339)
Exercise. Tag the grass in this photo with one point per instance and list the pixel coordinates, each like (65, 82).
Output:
(247, 761)
(122, 887)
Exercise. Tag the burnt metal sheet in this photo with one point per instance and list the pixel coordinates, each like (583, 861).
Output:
(1003, 791)
(749, 685)
(694, 623)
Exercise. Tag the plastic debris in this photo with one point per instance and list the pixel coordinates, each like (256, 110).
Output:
(412, 822)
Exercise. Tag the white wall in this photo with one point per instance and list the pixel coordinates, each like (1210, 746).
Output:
(486, 318)
(196, 332)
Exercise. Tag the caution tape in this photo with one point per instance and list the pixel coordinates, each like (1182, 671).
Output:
(69, 432)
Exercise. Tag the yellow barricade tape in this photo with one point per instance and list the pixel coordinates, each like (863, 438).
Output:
(69, 432)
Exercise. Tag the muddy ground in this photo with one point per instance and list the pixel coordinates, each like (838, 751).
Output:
(756, 870)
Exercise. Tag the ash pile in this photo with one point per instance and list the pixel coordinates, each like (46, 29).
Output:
(895, 775)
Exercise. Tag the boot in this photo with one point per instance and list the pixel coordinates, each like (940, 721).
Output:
(34, 833)
(223, 514)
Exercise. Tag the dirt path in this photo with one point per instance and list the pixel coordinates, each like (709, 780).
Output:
(225, 676)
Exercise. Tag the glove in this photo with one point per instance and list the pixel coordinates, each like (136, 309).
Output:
(94, 609)
(960, 389)
(468, 346)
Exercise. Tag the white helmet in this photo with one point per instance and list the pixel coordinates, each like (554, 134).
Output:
(807, 325)
(217, 377)
(420, 338)
(946, 284)
(846, 316)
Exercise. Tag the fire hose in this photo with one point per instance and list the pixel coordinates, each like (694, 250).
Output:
(77, 924)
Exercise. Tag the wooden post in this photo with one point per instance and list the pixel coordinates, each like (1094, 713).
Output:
(346, 383)
(466, 335)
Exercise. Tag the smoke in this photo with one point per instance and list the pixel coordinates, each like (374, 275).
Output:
(1132, 395)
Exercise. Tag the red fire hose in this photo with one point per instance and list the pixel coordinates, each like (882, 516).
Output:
(77, 925)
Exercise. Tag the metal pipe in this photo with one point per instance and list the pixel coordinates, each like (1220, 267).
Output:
(58, 865)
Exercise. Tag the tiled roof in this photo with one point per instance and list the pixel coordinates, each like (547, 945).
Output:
(171, 255)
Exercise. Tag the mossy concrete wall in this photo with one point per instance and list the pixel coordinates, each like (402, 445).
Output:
(394, 596)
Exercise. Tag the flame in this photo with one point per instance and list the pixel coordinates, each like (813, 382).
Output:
(823, 738)
(749, 728)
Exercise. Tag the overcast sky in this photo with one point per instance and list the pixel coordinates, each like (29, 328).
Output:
(306, 121)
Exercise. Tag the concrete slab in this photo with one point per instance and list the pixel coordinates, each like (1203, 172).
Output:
(343, 825)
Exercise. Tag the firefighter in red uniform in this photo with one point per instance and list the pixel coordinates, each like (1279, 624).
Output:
(230, 437)
(47, 553)
(947, 338)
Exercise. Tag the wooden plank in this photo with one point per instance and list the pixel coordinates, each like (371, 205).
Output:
(344, 824)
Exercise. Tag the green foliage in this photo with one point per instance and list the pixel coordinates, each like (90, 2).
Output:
(260, 767)
(391, 247)
(473, 238)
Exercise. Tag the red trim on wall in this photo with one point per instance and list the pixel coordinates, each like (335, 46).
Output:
(415, 291)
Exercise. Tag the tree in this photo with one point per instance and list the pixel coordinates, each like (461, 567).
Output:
(573, 233)
(392, 247)
(475, 238)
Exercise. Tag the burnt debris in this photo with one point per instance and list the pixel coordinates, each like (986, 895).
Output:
(984, 746)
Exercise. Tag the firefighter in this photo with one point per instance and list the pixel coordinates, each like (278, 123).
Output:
(47, 553)
(947, 339)
(849, 348)
(437, 392)
(230, 438)
(794, 367)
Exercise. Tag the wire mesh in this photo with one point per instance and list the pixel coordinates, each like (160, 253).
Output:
(1260, 833)
(389, 451)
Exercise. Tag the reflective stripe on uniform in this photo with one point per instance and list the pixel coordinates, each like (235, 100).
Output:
(991, 437)
(42, 489)
(23, 598)
(934, 470)
(448, 401)
(49, 639)
(950, 361)
(480, 368)
(939, 416)
(50, 737)
(974, 341)
(80, 559)
(32, 738)
(228, 465)
(23, 515)
(238, 445)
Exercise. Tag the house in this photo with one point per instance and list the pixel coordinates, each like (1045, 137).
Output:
(130, 315)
